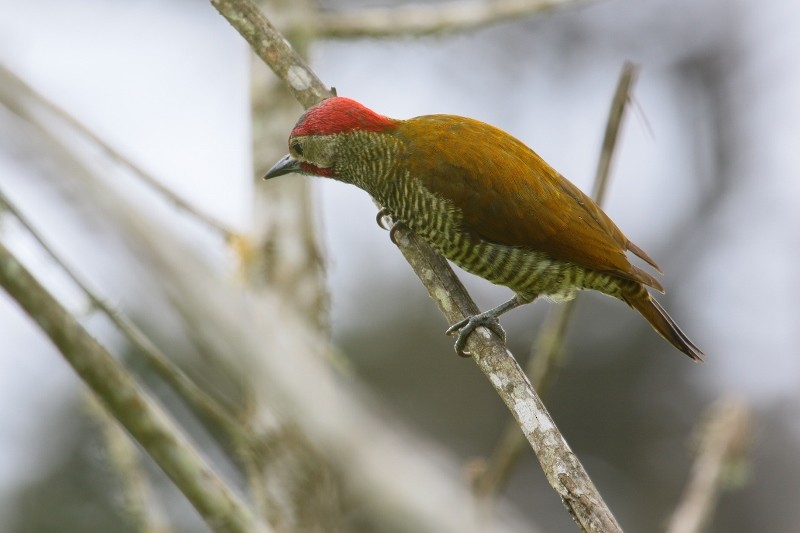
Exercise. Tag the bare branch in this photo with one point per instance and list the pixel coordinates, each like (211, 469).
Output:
(268, 43)
(562, 468)
(425, 19)
(618, 105)
(724, 441)
(10, 77)
(133, 407)
(124, 457)
(547, 351)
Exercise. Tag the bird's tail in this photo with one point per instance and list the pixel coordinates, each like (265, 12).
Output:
(658, 317)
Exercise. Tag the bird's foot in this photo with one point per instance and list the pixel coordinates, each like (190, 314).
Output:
(381, 217)
(465, 328)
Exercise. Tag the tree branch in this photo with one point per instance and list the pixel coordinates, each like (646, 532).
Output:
(723, 441)
(426, 19)
(268, 44)
(141, 416)
(124, 457)
(562, 468)
(622, 95)
(215, 409)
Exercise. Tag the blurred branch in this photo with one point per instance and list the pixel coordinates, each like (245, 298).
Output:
(425, 19)
(9, 77)
(562, 468)
(141, 416)
(723, 443)
(283, 251)
(281, 254)
(217, 412)
(124, 457)
(547, 351)
(622, 96)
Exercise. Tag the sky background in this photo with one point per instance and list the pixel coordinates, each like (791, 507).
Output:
(705, 178)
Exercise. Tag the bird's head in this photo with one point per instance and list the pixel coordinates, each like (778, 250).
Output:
(315, 141)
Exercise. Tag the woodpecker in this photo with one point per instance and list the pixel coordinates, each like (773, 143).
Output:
(485, 201)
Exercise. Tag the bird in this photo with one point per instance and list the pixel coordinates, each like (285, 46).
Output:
(485, 201)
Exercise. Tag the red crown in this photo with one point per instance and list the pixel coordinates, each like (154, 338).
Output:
(340, 115)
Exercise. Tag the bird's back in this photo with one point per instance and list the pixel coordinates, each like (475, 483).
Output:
(496, 209)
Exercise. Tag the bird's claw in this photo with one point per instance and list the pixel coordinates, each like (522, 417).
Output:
(380, 218)
(393, 232)
(465, 328)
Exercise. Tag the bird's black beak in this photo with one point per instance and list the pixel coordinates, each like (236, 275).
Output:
(286, 165)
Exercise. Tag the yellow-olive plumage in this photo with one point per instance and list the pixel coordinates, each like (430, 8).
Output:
(484, 200)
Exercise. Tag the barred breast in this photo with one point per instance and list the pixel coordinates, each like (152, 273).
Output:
(435, 219)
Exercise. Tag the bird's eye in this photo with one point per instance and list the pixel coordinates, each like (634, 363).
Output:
(297, 148)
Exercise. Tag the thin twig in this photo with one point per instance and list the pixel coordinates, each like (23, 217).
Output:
(142, 417)
(426, 19)
(622, 96)
(215, 409)
(547, 351)
(724, 441)
(562, 468)
(115, 155)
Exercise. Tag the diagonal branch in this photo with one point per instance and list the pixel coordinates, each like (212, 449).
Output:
(724, 440)
(273, 48)
(215, 409)
(141, 415)
(139, 506)
(426, 19)
(562, 468)
(622, 95)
